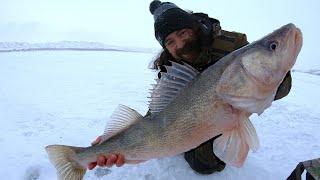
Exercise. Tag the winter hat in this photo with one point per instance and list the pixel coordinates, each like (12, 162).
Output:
(168, 18)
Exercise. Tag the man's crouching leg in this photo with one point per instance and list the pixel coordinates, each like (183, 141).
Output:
(203, 160)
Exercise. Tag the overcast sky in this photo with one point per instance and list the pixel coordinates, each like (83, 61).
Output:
(130, 22)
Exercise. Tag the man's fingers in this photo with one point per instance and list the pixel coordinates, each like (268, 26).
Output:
(120, 160)
(92, 165)
(97, 141)
(111, 160)
(101, 161)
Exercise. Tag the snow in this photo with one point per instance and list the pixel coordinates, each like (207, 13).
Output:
(66, 97)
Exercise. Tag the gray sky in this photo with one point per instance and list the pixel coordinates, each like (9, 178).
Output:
(130, 22)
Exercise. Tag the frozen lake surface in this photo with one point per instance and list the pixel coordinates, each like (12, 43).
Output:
(66, 97)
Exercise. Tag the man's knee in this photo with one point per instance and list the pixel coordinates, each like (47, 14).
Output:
(203, 160)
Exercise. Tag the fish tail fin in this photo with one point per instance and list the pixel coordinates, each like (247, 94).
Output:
(64, 160)
(233, 146)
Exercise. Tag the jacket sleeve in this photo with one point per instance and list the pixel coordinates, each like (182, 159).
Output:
(241, 40)
(284, 88)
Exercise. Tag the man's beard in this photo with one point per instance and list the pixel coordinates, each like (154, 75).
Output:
(191, 48)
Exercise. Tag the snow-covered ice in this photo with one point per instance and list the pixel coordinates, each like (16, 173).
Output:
(66, 97)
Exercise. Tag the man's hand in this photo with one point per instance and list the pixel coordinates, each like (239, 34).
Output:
(109, 161)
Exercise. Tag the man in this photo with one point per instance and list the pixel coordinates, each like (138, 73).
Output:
(198, 40)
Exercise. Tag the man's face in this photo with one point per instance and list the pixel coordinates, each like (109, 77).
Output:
(183, 44)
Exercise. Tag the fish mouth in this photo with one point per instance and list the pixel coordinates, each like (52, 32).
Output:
(298, 40)
(296, 33)
(293, 31)
(295, 41)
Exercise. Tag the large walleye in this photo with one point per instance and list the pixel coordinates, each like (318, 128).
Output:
(189, 108)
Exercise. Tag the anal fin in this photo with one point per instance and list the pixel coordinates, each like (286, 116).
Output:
(121, 119)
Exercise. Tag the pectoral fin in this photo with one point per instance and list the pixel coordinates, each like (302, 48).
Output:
(233, 146)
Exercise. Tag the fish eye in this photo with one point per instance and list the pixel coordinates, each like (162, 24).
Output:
(273, 46)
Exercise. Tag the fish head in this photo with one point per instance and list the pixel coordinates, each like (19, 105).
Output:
(251, 80)
(273, 56)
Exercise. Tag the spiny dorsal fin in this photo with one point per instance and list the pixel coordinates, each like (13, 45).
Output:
(121, 119)
(170, 84)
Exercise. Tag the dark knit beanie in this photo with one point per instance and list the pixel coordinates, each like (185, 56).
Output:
(168, 18)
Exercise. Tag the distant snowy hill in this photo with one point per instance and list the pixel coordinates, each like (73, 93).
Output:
(69, 45)
(311, 71)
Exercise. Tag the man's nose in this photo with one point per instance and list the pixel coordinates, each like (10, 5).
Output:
(179, 44)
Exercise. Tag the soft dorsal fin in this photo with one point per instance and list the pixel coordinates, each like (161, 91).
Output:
(120, 120)
(170, 84)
